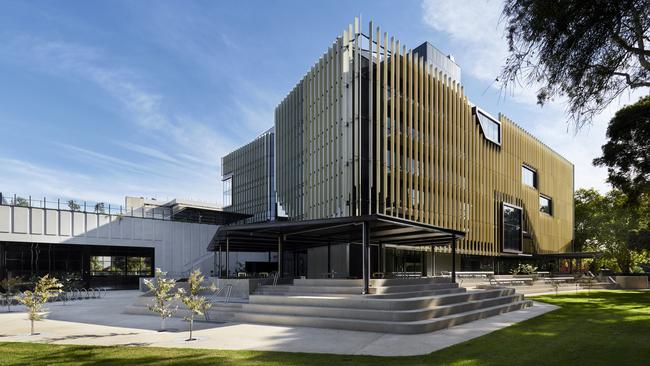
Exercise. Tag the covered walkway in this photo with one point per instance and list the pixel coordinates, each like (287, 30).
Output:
(367, 229)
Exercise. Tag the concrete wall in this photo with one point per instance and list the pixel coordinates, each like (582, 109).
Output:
(251, 168)
(179, 246)
(632, 282)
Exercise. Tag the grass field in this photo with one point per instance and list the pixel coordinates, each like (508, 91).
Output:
(605, 328)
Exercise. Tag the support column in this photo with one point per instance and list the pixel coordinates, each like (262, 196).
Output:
(280, 242)
(365, 262)
(227, 257)
(329, 260)
(380, 258)
(433, 260)
(219, 269)
(453, 259)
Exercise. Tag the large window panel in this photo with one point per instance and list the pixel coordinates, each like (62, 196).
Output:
(227, 191)
(512, 228)
(107, 265)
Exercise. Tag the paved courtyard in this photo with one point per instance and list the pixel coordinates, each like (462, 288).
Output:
(101, 322)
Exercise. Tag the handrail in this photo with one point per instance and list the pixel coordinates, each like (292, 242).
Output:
(276, 276)
(228, 289)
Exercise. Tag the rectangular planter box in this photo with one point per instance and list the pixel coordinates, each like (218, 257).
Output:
(632, 282)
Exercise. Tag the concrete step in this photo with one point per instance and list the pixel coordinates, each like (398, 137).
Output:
(218, 313)
(408, 281)
(409, 327)
(340, 282)
(352, 290)
(380, 315)
(296, 289)
(375, 282)
(368, 302)
(422, 293)
(389, 289)
(396, 295)
(601, 285)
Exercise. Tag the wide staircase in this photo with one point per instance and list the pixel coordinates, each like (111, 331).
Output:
(218, 312)
(406, 306)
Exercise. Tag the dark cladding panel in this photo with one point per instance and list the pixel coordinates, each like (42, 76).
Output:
(248, 177)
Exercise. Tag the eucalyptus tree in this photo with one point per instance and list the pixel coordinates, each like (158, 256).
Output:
(192, 299)
(46, 287)
(587, 51)
(162, 290)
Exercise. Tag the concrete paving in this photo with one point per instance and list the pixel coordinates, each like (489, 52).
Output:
(101, 322)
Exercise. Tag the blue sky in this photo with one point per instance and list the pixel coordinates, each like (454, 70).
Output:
(104, 99)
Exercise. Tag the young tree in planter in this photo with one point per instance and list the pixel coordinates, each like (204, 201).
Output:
(195, 303)
(162, 289)
(46, 288)
(9, 287)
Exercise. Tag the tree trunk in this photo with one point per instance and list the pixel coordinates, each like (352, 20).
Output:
(162, 324)
(191, 326)
(32, 328)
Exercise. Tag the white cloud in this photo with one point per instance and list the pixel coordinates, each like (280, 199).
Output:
(476, 26)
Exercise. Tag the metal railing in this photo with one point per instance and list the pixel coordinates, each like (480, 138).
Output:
(214, 299)
(84, 206)
(150, 212)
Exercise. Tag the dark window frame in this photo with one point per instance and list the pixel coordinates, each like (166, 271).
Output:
(550, 204)
(481, 118)
(504, 247)
(529, 168)
(227, 191)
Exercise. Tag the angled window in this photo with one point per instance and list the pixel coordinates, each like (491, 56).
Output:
(490, 127)
(512, 228)
(546, 205)
(227, 191)
(529, 176)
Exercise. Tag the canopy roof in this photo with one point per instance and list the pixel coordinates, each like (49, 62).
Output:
(310, 233)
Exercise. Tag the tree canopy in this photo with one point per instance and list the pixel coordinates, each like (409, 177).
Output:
(610, 225)
(627, 153)
(588, 51)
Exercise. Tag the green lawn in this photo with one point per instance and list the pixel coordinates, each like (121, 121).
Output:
(607, 328)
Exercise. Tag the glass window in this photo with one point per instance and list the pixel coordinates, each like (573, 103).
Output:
(546, 205)
(491, 128)
(511, 229)
(227, 191)
(107, 265)
(528, 176)
(138, 266)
